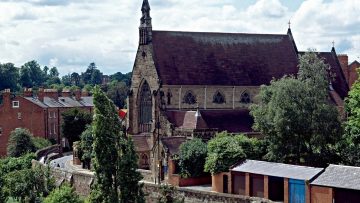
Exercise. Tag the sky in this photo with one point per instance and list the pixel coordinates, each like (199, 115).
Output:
(70, 34)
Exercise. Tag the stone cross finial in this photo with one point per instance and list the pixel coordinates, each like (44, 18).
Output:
(289, 23)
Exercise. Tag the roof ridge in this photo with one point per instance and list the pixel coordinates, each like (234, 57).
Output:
(235, 33)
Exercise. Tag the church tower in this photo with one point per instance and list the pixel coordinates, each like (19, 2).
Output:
(145, 29)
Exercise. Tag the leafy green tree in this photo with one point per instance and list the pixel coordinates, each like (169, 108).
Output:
(25, 78)
(192, 156)
(223, 152)
(350, 146)
(120, 77)
(114, 161)
(66, 80)
(20, 143)
(75, 79)
(64, 194)
(117, 92)
(253, 148)
(86, 141)
(35, 72)
(96, 77)
(295, 114)
(9, 76)
(53, 72)
(73, 124)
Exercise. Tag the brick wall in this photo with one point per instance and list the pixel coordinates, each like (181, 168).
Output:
(321, 194)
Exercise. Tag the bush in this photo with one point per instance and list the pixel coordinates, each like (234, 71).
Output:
(64, 194)
(20, 143)
(192, 158)
(253, 147)
(40, 143)
(223, 152)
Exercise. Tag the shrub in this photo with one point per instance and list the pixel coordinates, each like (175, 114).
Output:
(20, 143)
(192, 158)
(64, 194)
(40, 143)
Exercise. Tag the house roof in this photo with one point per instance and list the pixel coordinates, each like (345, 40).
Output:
(223, 58)
(49, 102)
(141, 143)
(233, 121)
(173, 143)
(339, 83)
(354, 63)
(346, 177)
(278, 169)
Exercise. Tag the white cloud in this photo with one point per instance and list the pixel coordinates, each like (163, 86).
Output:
(71, 34)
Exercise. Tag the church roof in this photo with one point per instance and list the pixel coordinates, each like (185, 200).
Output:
(226, 59)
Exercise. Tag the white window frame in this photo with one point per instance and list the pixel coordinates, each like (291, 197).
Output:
(16, 104)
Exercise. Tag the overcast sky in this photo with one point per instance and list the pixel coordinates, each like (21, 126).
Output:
(69, 34)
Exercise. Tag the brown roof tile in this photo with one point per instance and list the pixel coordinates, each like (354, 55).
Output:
(173, 143)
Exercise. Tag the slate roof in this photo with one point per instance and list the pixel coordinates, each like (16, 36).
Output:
(278, 169)
(233, 121)
(173, 143)
(339, 83)
(61, 102)
(222, 58)
(346, 177)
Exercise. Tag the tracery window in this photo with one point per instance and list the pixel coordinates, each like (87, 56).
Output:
(145, 104)
(245, 98)
(189, 98)
(219, 98)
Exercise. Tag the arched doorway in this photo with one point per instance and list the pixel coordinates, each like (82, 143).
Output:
(145, 113)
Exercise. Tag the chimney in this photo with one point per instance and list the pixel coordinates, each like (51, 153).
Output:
(78, 95)
(41, 94)
(6, 98)
(344, 62)
(84, 93)
(28, 92)
(52, 93)
(66, 93)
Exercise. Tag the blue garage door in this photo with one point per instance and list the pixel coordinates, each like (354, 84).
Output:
(296, 191)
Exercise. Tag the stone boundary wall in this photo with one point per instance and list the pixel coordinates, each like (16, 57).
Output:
(54, 149)
(82, 181)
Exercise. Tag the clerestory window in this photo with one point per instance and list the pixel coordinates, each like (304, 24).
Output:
(219, 98)
(189, 98)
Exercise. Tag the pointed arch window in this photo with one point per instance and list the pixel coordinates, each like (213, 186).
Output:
(245, 98)
(145, 104)
(219, 98)
(189, 98)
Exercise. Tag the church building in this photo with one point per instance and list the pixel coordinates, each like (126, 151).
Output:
(195, 84)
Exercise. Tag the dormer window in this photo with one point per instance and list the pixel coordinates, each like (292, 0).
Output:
(189, 98)
(245, 98)
(219, 98)
(15, 104)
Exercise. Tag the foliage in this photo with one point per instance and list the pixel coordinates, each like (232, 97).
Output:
(64, 194)
(73, 124)
(192, 156)
(9, 165)
(117, 92)
(114, 161)
(168, 195)
(86, 141)
(223, 152)
(351, 144)
(40, 143)
(9, 76)
(253, 148)
(295, 114)
(28, 185)
(20, 143)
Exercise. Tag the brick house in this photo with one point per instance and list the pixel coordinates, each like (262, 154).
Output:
(194, 84)
(40, 113)
(349, 69)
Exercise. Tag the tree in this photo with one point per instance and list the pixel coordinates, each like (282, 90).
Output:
(66, 80)
(295, 115)
(96, 77)
(114, 161)
(74, 123)
(36, 74)
(20, 143)
(25, 78)
(40, 143)
(86, 76)
(223, 152)
(192, 156)
(351, 144)
(75, 79)
(9, 76)
(117, 92)
(64, 194)
(86, 141)
(253, 148)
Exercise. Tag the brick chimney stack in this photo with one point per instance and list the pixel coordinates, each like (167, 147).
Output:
(28, 92)
(78, 95)
(41, 94)
(66, 93)
(52, 93)
(344, 62)
(7, 98)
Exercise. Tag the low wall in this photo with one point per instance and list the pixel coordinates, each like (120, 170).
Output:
(176, 180)
(57, 149)
(82, 181)
(147, 175)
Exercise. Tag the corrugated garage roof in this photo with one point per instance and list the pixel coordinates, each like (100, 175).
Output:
(278, 169)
